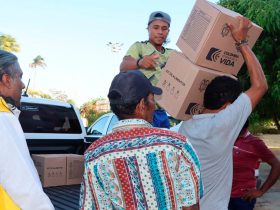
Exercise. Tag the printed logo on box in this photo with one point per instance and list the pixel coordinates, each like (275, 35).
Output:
(213, 54)
(226, 58)
(194, 108)
(225, 30)
(203, 85)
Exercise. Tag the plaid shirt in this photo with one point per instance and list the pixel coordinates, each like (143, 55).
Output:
(140, 167)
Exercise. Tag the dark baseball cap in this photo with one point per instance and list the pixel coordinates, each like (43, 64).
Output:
(130, 87)
(158, 15)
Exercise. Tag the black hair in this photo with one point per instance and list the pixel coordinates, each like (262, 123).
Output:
(8, 64)
(124, 109)
(221, 90)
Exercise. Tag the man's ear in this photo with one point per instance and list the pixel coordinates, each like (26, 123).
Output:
(142, 104)
(6, 80)
(225, 105)
(140, 108)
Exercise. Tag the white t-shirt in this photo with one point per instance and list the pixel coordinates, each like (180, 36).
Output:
(213, 137)
(18, 175)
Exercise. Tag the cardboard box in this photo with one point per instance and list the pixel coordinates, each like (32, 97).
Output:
(183, 84)
(59, 169)
(75, 169)
(207, 41)
(51, 169)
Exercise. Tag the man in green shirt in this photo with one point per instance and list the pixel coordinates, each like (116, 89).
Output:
(150, 57)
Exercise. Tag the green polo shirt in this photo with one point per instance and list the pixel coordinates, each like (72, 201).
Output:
(141, 49)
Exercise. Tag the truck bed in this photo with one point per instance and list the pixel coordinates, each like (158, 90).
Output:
(64, 197)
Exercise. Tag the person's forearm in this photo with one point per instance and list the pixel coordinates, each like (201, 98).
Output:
(272, 177)
(255, 71)
(128, 63)
(258, 81)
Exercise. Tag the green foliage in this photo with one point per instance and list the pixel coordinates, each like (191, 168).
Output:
(265, 13)
(9, 43)
(38, 94)
(263, 127)
(71, 101)
(92, 116)
(260, 125)
(57, 95)
(88, 111)
(38, 61)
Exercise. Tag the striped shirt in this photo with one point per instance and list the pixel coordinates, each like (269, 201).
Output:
(140, 167)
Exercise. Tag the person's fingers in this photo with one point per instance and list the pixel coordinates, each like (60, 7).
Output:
(239, 18)
(230, 26)
(247, 193)
(155, 56)
(248, 197)
(246, 23)
(249, 24)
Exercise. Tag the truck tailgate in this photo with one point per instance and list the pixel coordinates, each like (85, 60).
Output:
(64, 197)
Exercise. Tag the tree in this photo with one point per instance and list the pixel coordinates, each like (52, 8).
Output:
(38, 94)
(61, 96)
(9, 43)
(265, 13)
(38, 61)
(88, 111)
(54, 95)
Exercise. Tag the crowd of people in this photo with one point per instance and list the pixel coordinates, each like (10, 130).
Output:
(210, 164)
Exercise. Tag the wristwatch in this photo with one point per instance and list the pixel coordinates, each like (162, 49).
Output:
(241, 43)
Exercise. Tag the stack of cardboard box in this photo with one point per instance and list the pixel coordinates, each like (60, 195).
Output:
(59, 169)
(208, 51)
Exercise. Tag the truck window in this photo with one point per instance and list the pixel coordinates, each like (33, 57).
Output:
(42, 118)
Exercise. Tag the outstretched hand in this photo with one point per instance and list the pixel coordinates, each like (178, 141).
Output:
(149, 61)
(240, 33)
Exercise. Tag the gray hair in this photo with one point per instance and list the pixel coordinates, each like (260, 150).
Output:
(8, 64)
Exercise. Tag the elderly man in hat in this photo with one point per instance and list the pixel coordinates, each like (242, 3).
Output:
(138, 166)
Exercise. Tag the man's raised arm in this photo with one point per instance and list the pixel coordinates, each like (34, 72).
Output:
(258, 81)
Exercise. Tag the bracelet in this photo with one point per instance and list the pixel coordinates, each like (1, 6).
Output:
(241, 43)
(137, 63)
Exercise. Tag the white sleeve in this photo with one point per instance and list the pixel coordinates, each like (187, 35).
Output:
(234, 116)
(16, 175)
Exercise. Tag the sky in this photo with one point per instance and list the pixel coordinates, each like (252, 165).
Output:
(72, 37)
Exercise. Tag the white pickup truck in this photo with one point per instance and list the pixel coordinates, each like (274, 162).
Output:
(52, 126)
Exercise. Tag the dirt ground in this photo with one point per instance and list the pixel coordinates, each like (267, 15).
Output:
(271, 199)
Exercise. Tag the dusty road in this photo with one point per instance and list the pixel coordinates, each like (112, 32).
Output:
(270, 200)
